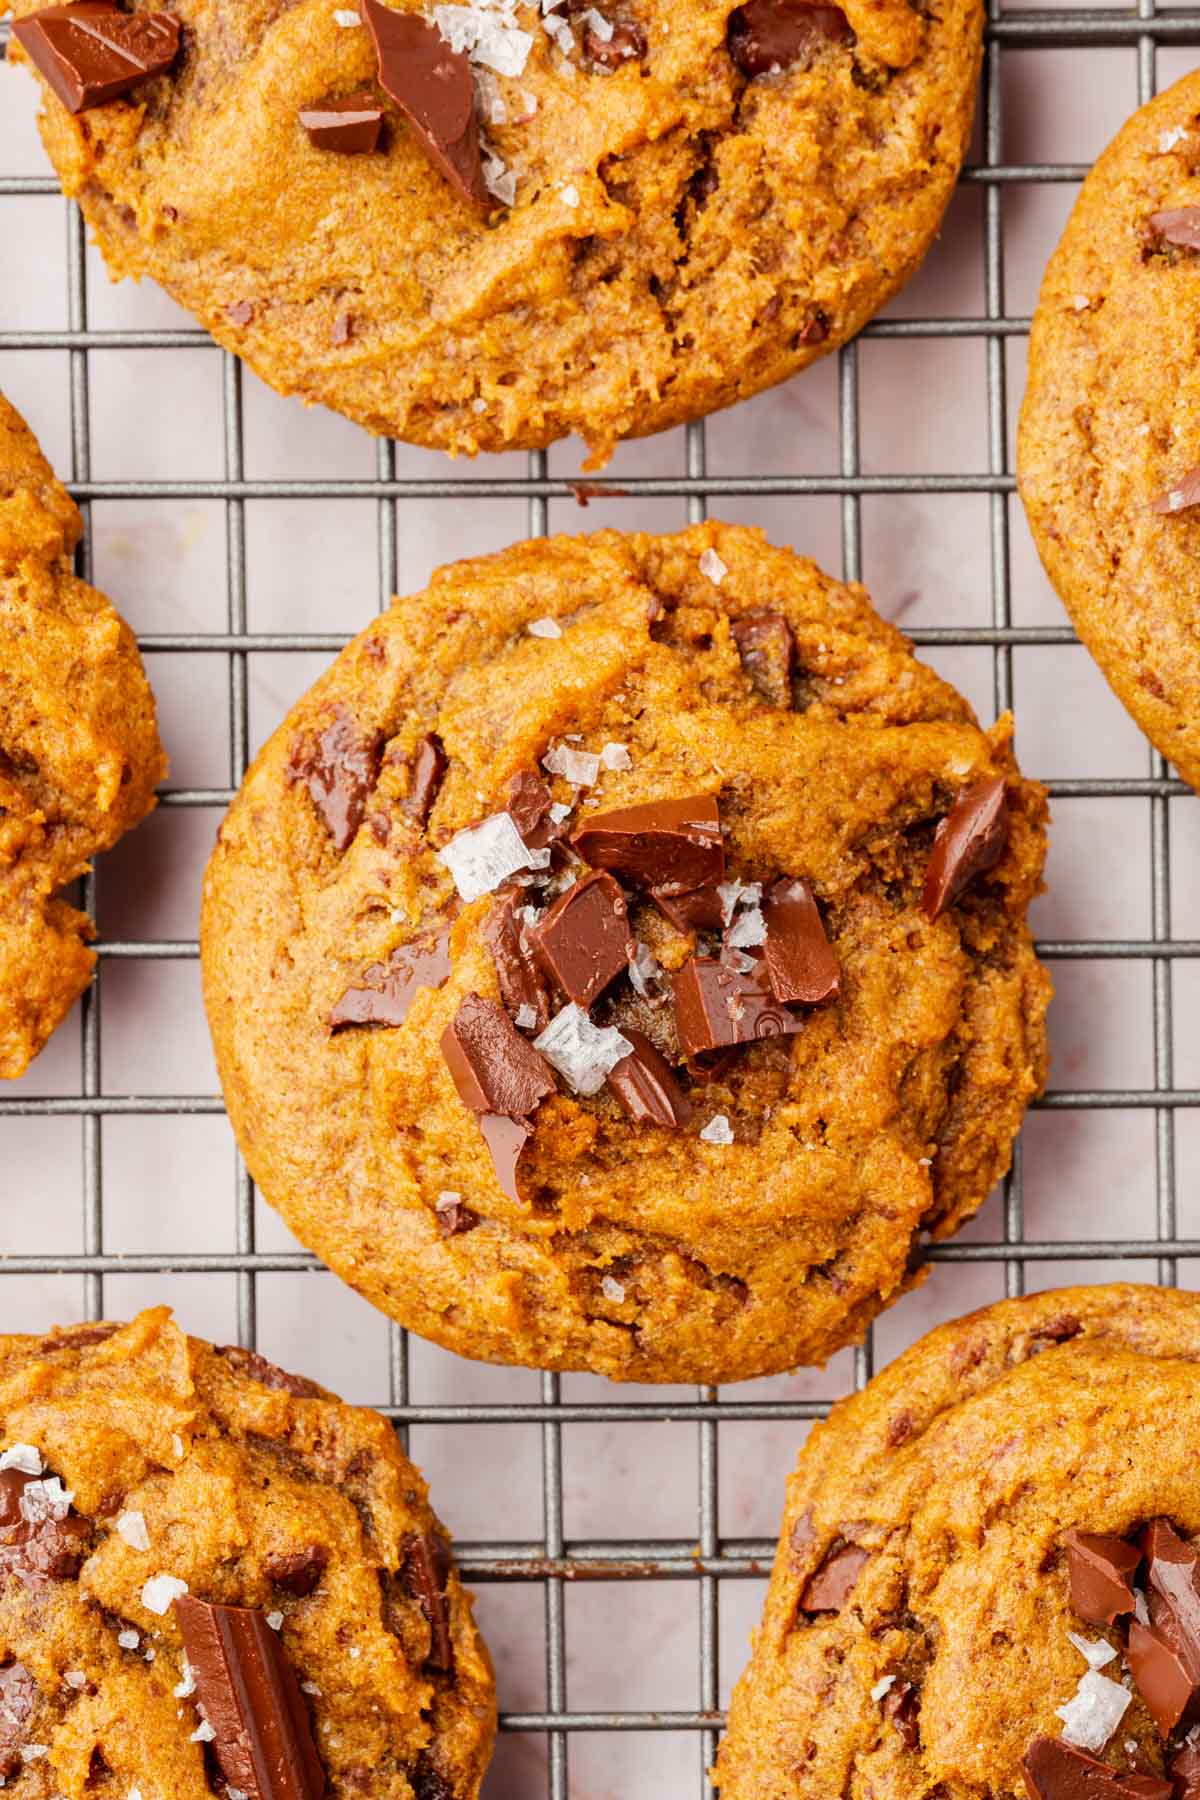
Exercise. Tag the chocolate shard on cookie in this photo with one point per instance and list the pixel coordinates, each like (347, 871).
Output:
(1163, 1676)
(769, 35)
(386, 990)
(717, 1006)
(834, 1582)
(18, 1697)
(505, 1139)
(529, 804)
(645, 1085)
(584, 941)
(426, 1571)
(92, 52)
(429, 765)
(1179, 498)
(339, 766)
(768, 652)
(41, 1537)
(669, 846)
(1101, 1570)
(434, 89)
(350, 125)
(698, 910)
(968, 842)
(1056, 1770)
(801, 966)
(1178, 225)
(495, 1069)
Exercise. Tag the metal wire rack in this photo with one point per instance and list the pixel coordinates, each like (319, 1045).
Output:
(710, 1559)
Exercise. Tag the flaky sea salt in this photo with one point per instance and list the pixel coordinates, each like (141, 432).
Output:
(616, 756)
(882, 1687)
(733, 894)
(310, 1687)
(712, 566)
(161, 1592)
(751, 928)
(560, 811)
(346, 18)
(75, 1678)
(45, 1500)
(499, 180)
(23, 1457)
(1141, 1610)
(544, 628)
(204, 1733)
(601, 26)
(482, 856)
(718, 1130)
(1093, 1712)
(645, 971)
(569, 195)
(1080, 303)
(612, 1290)
(187, 1685)
(1167, 140)
(177, 1446)
(526, 1017)
(1096, 1655)
(129, 1640)
(34, 1752)
(579, 767)
(582, 1053)
(132, 1527)
(275, 1621)
(489, 34)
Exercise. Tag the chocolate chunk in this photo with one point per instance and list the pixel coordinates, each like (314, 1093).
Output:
(1179, 225)
(428, 1782)
(426, 1573)
(1173, 1571)
(701, 910)
(18, 1696)
(495, 1069)
(387, 990)
(40, 1549)
(434, 89)
(625, 43)
(902, 1708)
(1164, 1680)
(1184, 494)
(645, 1086)
(505, 1139)
(667, 845)
(836, 1579)
(1101, 1569)
(768, 651)
(1055, 1770)
(584, 941)
(716, 1007)
(263, 1742)
(339, 766)
(521, 984)
(970, 840)
(1185, 1775)
(527, 802)
(268, 1374)
(428, 770)
(453, 1217)
(297, 1571)
(801, 965)
(91, 52)
(350, 125)
(773, 34)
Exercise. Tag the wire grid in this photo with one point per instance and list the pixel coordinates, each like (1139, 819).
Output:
(710, 1559)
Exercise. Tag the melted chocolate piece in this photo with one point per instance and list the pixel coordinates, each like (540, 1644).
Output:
(91, 52)
(836, 1579)
(434, 89)
(528, 804)
(428, 1782)
(38, 1550)
(1185, 1775)
(716, 1007)
(350, 125)
(902, 1708)
(627, 43)
(768, 652)
(970, 840)
(18, 1696)
(495, 1069)
(505, 1139)
(297, 1571)
(268, 1374)
(670, 846)
(387, 990)
(1055, 1770)
(1185, 494)
(504, 933)
(454, 1218)
(339, 767)
(428, 771)
(1173, 1570)
(801, 965)
(701, 910)
(251, 1698)
(646, 1087)
(1101, 1569)
(426, 1573)
(584, 941)
(1178, 225)
(773, 34)
(1162, 1675)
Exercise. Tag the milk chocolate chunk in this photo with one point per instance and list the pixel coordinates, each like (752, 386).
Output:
(350, 125)
(836, 1579)
(699, 910)
(268, 1374)
(1184, 494)
(339, 766)
(1173, 1572)
(970, 840)
(1185, 1775)
(506, 936)
(92, 52)
(42, 1548)
(453, 1218)
(766, 35)
(426, 1572)
(645, 1086)
(495, 1069)
(670, 846)
(428, 770)
(717, 1007)
(801, 965)
(1162, 1675)
(247, 1689)
(1101, 1570)
(505, 1139)
(387, 990)
(584, 941)
(625, 43)
(18, 1696)
(768, 650)
(434, 89)
(527, 802)
(1178, 225)
(297, 1572)
(902, 1709)
(1055, 1770)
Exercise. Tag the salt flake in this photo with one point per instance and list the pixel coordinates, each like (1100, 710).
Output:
(188, 1684)
(132, 1527)
(23, 1457)
(129, 1640)
(75, 1678)
(488, 33)
(580, 767)
(750, 929)
(560, 811)
(346, 18)
(1167, 140)
(601, 26)
(615, 756)
(569, 195)
(882, 1687)
(1141, 1610)
(612, 1290)
(718, 1130)
(1096, 1655)
(712, 566)
(34, 1752)
(275, 1621)
(544, 628)
(45, 1500)
(1093, 1712)
(582, 1053)
(645, 970)
(161, 1591)
(526, 1017)
(480, 857)
(204, 1733)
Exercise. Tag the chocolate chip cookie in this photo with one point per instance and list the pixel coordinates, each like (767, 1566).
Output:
(987, 1580)
(618, 959)
(1107, 452)
(79, 749)
(215, 1577)
(613, 217)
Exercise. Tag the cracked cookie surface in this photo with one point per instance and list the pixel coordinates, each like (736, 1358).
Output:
(763, 1222)
(1107, 431)
(915, 1640)
(683, 232)
(79, 749)
(143, 1460)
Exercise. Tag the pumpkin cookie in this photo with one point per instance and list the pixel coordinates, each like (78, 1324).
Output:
(216, 1577)
(618, 959)
(79, 749)
(614, 217)
(988, 1580)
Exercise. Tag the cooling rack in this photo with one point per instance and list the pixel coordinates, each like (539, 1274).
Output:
(700, 1566)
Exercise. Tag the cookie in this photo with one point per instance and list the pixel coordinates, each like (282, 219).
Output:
(79, 749)
(595, 219)
(217, 1577)
(618, 959)
(987, 1580)
(1106, 450)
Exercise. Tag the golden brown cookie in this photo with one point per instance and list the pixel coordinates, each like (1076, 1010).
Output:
(210, 1568)
(618, 959)
(79, 749)
(603, 220)
(1107, 448)
(986, 1581)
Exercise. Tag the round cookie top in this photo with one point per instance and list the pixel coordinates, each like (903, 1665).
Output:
(986, 1581)
(618, 959)
(600, 219)
(79, 749)
(1109, 471)
(214, 1576)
